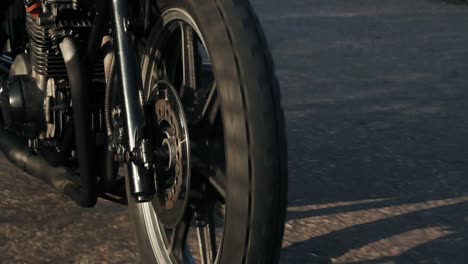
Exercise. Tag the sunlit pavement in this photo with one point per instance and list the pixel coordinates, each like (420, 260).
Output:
(375, 94)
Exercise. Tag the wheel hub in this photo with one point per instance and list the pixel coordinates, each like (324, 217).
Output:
(172, 155)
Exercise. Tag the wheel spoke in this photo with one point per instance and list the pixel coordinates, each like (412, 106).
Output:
(217, 181)
(202, 166)
(189, 81)
(179, 237)
(206, 232)
(211, 105)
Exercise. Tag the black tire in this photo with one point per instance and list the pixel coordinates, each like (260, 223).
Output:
(254, 132)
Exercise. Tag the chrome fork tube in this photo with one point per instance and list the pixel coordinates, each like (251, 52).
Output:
(141, 182)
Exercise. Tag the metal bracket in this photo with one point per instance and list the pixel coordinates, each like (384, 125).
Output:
(140, 155)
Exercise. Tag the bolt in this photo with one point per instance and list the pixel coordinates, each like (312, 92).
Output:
(165, 94)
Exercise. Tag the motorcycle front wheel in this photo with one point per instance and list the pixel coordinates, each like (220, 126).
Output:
(213, 102)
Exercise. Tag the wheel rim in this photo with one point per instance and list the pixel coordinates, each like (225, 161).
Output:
(178, 56)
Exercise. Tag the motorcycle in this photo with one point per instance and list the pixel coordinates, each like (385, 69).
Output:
(171, 107)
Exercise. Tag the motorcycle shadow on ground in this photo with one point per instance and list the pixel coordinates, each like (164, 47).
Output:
(381, 180)
(413, 235)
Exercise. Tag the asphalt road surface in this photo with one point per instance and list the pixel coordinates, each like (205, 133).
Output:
(375, 94)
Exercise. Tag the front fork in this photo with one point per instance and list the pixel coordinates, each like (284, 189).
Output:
(142, 186)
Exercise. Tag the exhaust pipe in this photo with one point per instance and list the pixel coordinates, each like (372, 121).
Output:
(79, 88)
(22, 157)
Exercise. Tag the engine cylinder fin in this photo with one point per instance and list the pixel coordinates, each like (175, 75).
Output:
(46, 59)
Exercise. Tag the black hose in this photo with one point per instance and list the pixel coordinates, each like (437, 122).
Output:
(77, 79)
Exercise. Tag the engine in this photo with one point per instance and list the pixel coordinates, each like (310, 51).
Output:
(44, 29)
(35, 100)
